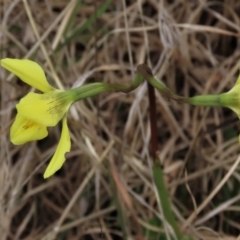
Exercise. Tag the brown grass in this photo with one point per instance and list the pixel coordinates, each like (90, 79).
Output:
(105, 189)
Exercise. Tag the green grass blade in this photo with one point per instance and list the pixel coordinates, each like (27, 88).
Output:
(73, 16)
(85, 26)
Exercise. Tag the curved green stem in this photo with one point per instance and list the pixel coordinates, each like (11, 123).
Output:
(94, 89)
(205, 100)
(224, 99)
(146, 72)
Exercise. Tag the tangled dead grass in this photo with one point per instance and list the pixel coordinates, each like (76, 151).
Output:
(105, 189)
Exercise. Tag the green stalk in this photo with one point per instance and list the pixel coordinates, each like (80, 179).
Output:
(165, 202)
(93, 89)
(205, 100)
(146, 72)
(230, 99)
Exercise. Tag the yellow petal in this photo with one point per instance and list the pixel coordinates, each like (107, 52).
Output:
(24, 130)
(238, 81)
(46, 109)
(64, 146)
(236, 86)
(29, 72)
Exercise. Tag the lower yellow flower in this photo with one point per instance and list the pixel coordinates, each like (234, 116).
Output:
(36, 111)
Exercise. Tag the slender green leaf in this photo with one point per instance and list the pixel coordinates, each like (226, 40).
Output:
(73, 16)
(165, 202)
(76, 33)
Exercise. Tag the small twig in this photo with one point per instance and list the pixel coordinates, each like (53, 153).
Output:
(153, 121)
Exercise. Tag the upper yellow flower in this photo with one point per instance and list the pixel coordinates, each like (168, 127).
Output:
(231, 98)
(36, 111)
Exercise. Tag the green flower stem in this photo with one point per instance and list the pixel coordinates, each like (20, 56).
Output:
(146, 73)
(165, 202)
(230, 99)
(205, 100)
(94, 89)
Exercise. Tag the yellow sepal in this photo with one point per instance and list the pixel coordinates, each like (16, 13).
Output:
(24, 130)
(46, 109)
(64, 146)
(29, 72)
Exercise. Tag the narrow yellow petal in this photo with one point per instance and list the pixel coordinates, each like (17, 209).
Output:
(24, 130)
(64, 146)
(45, 109)
(29, 72)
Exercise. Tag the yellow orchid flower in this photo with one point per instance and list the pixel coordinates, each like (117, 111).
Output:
(230, 99)
(36, 111)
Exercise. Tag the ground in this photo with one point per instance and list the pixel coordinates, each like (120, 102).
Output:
(105, 189)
